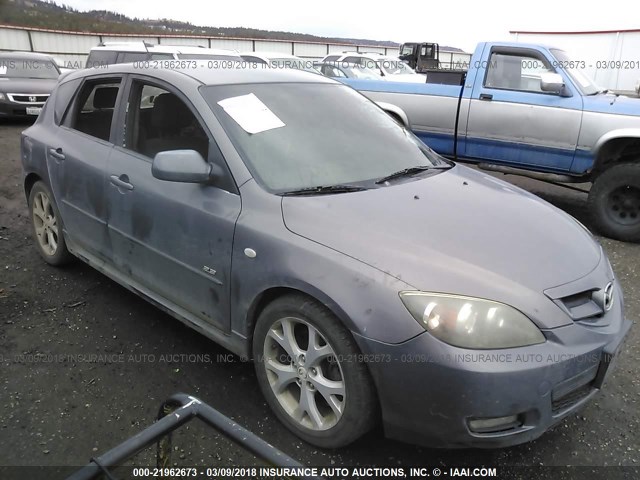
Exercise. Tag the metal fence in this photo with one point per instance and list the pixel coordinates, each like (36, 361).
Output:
(73, 47)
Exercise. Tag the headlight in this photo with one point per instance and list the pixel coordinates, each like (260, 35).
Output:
(2, 97)
(471, 322)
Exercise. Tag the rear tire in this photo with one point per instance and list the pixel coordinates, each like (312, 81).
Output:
(614, 202)
(311, 374)
(47, 226)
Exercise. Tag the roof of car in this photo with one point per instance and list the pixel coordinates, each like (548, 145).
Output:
(154, 48)
(200, 71)
(27, 56)
(270, 55)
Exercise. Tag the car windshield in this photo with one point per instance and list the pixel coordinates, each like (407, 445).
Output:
(407, 49)
(580, 79)
(302, 135)
(27, 68)
(395, 66)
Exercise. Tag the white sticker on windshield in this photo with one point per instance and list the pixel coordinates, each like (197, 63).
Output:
(3, 70)
(250, 113)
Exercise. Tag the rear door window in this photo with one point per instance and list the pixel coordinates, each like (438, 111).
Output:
(94, 108)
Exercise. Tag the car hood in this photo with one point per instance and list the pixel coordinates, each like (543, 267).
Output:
(27, 85)
(458, 231)
(610, 103)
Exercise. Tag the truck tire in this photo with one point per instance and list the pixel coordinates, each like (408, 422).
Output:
(308, 370)
(614, 202)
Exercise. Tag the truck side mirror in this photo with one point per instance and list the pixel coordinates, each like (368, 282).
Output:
(551, 82)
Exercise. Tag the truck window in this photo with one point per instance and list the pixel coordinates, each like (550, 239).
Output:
(515, 72)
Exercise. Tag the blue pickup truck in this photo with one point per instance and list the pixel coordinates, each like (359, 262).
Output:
(529, 110)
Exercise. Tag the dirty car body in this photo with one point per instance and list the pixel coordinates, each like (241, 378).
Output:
(483, 315)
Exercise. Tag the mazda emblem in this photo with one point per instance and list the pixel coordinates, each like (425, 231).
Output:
(608, 297)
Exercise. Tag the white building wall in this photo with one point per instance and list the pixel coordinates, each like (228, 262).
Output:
(120, 39)
(232, 44)
(74, 47)
(14, 40)
(310, 50)
(69, 43)
(596, 50)
(279, 47)
(196, 42)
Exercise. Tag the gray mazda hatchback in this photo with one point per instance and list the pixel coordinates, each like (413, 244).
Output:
(289, 219)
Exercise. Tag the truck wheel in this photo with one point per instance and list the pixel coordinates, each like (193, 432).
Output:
(47, 226)
(308, 369)
(614, 202)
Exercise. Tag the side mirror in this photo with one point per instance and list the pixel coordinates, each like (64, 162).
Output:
(186, 166)
(551, 82)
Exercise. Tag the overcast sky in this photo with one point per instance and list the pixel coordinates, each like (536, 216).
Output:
(459, 24)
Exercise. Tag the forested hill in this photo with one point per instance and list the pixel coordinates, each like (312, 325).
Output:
(49, 14)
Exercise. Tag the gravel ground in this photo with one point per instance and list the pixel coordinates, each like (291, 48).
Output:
(63, 412)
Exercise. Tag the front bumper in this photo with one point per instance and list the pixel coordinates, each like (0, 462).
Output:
(9, 109)
(430, 391)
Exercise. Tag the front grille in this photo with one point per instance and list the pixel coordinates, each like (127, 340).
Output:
(570, 391)
(571, 398)
(582, 305)
(29, 98)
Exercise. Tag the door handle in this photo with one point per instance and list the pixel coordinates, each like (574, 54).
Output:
(121, 181)
(56, 153)
(486, 96)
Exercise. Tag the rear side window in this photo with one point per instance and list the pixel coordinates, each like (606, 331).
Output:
(63, 96)
(100, 58)
(94, 107)
(161, 56)
(130, 57)
(332, 58)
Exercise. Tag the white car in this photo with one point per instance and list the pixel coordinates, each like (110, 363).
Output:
(392, 68)
(279, 60)
(127, 52)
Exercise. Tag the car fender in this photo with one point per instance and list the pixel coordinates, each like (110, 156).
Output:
(395, 110)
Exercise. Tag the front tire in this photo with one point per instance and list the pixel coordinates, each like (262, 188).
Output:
(614, 202)
(47, 226)
(311, 374)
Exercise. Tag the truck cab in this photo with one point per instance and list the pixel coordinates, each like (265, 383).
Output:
(530, 110)
(421, 56)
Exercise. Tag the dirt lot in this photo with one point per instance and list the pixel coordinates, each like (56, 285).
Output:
(64, 411)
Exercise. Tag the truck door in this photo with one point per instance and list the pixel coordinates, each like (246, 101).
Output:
(511, 120)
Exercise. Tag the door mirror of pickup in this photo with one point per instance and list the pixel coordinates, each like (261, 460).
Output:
(551, 82)
(186, 166)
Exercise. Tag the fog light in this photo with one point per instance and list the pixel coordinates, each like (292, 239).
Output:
(495, 424)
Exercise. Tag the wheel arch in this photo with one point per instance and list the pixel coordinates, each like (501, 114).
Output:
(616, 146)
(29, 181)
(270, 294)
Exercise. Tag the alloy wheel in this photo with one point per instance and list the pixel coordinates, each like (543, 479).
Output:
(304, 374)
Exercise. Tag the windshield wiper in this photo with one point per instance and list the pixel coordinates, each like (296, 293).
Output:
(324, 189)
(405, 172)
